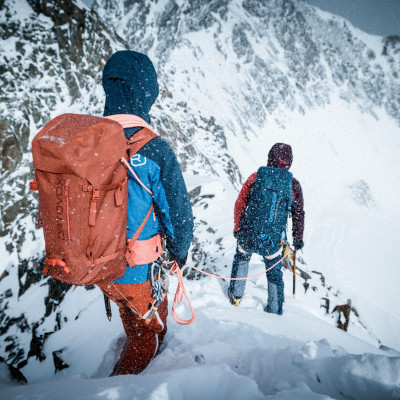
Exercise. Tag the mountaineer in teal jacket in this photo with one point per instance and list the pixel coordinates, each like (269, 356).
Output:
(130, 85)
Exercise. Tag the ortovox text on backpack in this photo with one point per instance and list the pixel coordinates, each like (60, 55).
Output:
(83, 195)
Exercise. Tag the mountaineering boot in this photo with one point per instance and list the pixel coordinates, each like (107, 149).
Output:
(234, 300)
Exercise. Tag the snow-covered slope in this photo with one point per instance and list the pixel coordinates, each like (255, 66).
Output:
(227, 353)
(235, 77)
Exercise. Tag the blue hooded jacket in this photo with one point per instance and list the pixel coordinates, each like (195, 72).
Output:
(130, 84)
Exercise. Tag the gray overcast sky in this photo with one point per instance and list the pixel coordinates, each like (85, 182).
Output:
(379, 17)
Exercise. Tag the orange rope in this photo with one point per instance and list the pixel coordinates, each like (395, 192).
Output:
(181, 291)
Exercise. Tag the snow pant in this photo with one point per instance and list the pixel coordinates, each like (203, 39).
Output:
(240, 269)
(142, 341)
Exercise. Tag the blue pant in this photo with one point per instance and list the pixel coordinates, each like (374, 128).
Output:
(240, 269)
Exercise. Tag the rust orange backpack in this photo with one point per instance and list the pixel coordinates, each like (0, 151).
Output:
(83, 194)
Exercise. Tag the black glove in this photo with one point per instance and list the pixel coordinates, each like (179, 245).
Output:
(298, 244)
(181, 261)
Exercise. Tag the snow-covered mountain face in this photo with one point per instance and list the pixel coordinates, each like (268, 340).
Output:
(52, 55)
(235, 77)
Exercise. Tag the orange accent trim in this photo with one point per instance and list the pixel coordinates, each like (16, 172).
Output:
(67, 182)
(57, 263)
(33, 186)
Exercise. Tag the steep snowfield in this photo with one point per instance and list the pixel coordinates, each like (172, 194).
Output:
(243, 352)
(227, 352)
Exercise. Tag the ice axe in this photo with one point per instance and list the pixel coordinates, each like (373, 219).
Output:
(294, 272)
(108, 306)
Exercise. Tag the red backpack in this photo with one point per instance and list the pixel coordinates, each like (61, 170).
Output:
(83, 194)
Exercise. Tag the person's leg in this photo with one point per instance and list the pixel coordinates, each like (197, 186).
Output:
(143, 341)
(275, 287)
(240, 268)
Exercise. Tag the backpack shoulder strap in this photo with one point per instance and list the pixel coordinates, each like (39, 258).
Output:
(139, 139)
(130, 121)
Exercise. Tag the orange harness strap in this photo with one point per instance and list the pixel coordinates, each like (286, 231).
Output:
(144, 251)
(129, 255)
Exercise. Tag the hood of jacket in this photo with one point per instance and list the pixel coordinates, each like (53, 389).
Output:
(280, 156)
(130, 84)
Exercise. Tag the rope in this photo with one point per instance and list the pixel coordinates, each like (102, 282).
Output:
(136, 177)
(238, 279)
(133, 308)
(180, 293)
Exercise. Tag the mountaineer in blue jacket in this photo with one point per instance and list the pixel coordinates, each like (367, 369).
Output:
(130, 85)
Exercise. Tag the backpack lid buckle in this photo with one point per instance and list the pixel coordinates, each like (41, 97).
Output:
(96, 194)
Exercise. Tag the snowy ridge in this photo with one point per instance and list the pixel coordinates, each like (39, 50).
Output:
(227, 353)
(235, 77)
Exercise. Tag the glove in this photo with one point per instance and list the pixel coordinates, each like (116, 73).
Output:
(181, 261)
(298, 244)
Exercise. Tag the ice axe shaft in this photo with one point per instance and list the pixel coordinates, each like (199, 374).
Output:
(294, 272)
(108, 306)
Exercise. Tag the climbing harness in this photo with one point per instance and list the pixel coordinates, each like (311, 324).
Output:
(160, 287)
